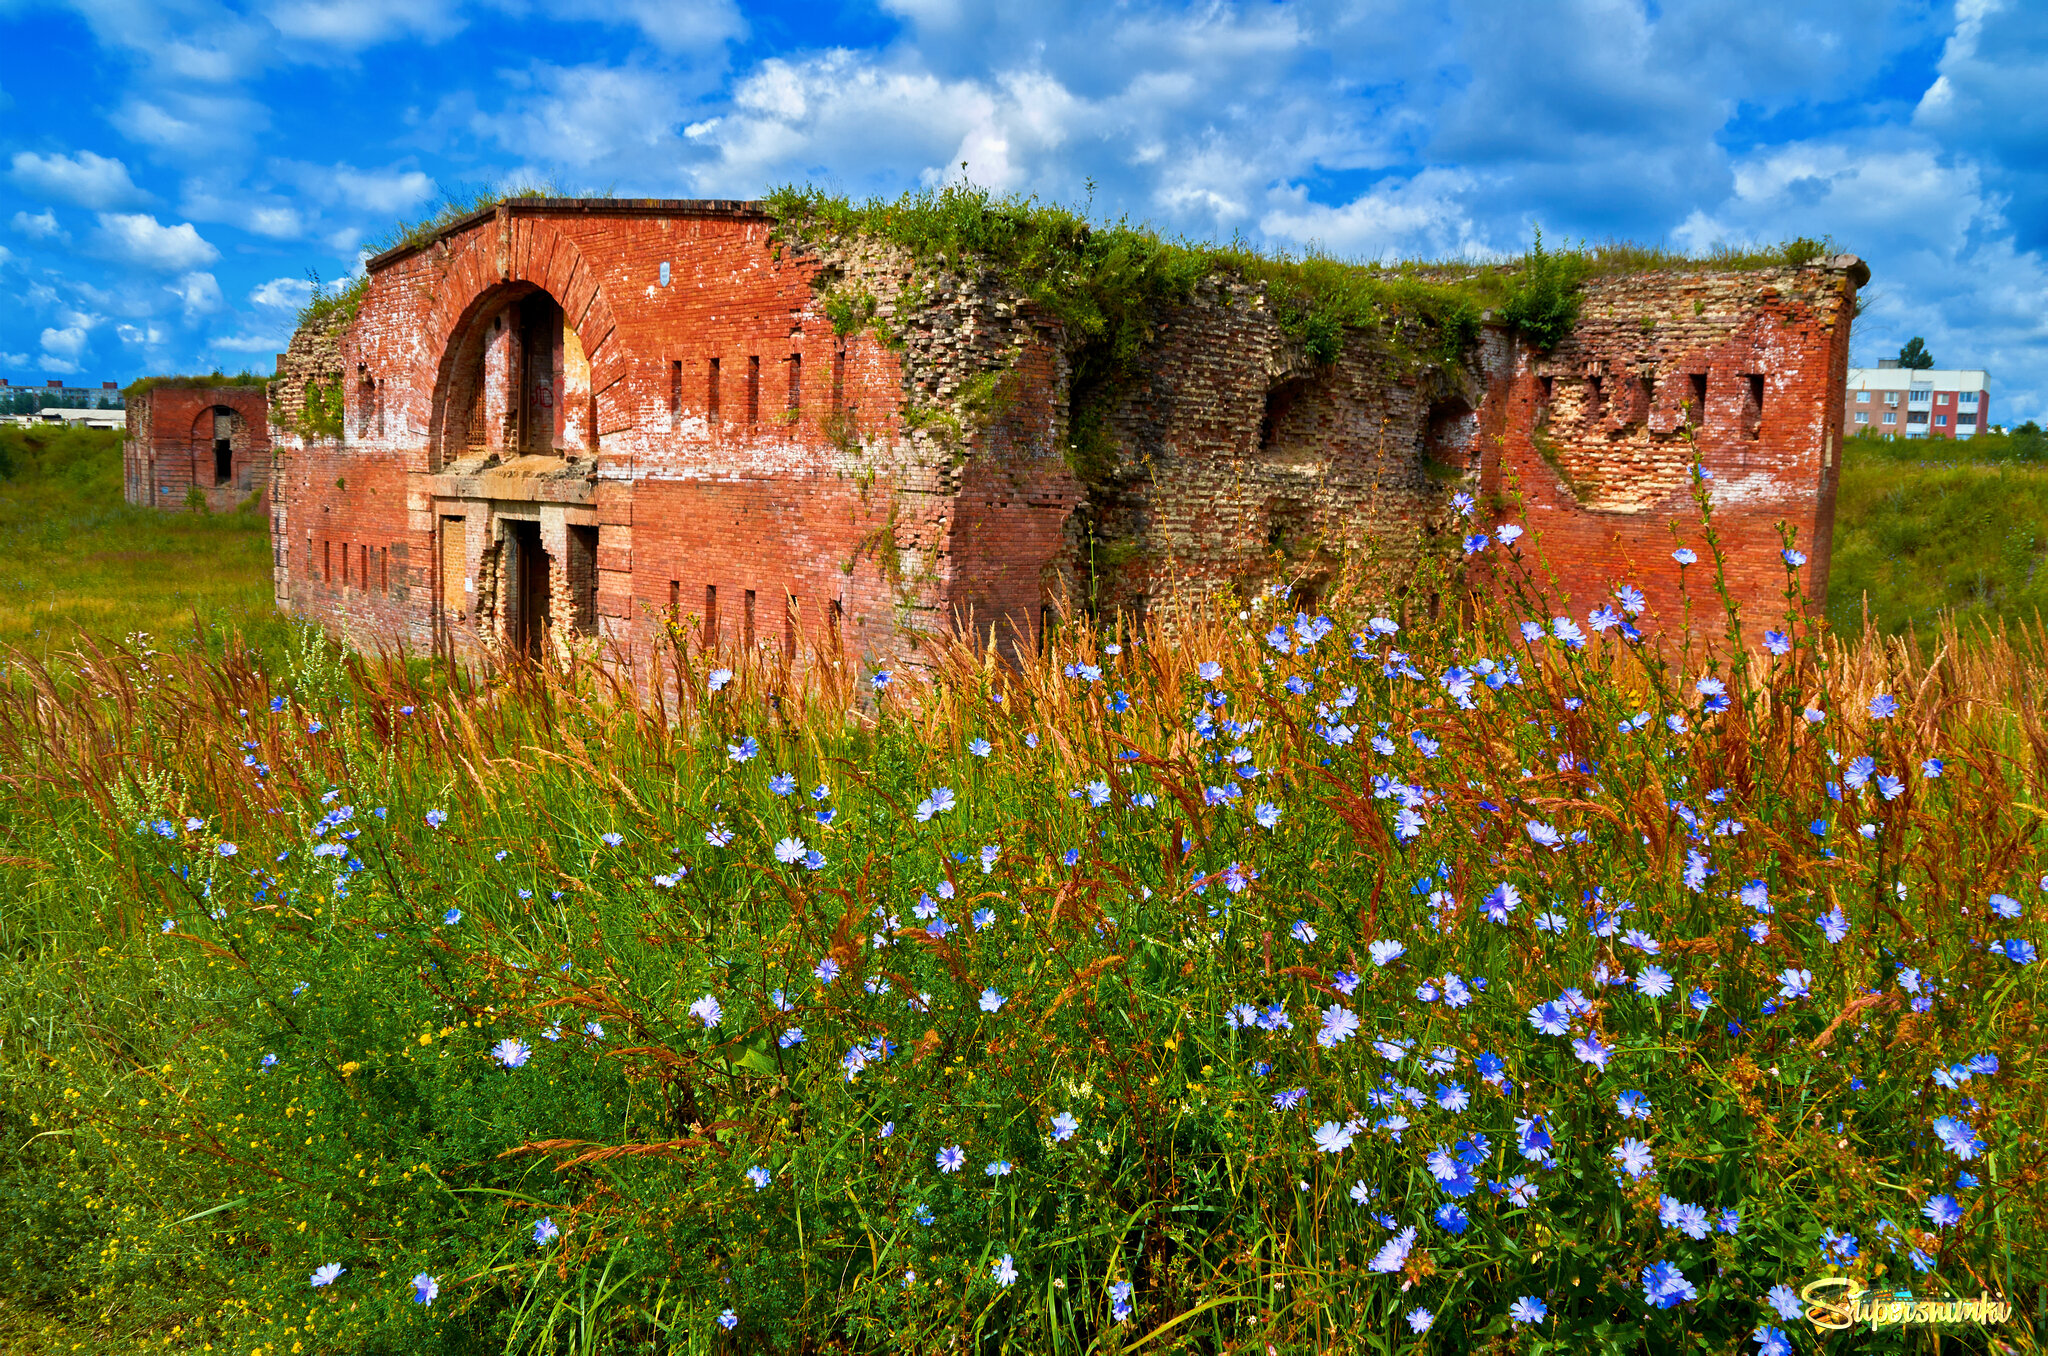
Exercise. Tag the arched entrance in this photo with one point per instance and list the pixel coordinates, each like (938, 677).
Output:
(514, 381)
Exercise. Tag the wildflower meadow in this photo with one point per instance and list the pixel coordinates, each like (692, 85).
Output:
(1262, 981)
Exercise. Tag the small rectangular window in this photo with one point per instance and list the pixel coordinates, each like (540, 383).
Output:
(711, 391)
(384, 570)
(1890, 418)
(363, 569)
(1699, 398)
(754, 389)
(796, 384)
(710, 616)
(747, 623)
(675, 600)
(327, 561)
(1863, 397)
(675, 389)
(1862, 416)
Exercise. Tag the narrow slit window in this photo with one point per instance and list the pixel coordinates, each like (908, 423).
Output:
(789, 626)
(839, 377)
(796, 386)
(675, 600)
(675, 389)
(384, 570)
(1756, 391)
(710, 616)
(1699, 397)
(747, 631)
(327, 561)
(363, 569)
(754, 389)
(711, 391)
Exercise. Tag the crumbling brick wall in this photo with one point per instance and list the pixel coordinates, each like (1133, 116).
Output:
(1743, 370)
(1233, 460)
(213, 439)
(614, 422)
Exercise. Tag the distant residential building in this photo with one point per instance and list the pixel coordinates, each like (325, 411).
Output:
(55, 388)
(1902, 402)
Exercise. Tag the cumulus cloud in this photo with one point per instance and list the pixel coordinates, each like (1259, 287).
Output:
(41, 226)
(200, 293)
(252, 343)
(86, 179)
(1424, 215)
(140, 240)
(67, 343)
(283, 294)
(591, 117)
(696, 27)
(192, 126)
(356, 24)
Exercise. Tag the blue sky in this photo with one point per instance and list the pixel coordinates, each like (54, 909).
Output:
(170, 172)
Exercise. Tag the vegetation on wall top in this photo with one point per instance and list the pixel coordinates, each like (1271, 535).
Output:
(216, 378)
(1104, 281)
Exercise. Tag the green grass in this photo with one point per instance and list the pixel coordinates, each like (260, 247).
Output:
(76, 561)
(1925, 530)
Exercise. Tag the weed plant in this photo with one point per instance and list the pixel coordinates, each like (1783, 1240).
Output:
(1268, 982)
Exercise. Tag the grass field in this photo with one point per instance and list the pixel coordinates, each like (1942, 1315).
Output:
(1292, 985)
(1925, 530)
(75, 560)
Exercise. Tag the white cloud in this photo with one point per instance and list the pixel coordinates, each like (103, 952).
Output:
(284, 294)
(355, 24)
(1420, 216)
(41, 226)
(200, 292)
(193, 127)
(377, 193)
(148, 335)
(591, 117)
(279, 223)
(68, 342)
(14, 360)
(144, 242)
(672, 25)
(252, 343)
(85, 179)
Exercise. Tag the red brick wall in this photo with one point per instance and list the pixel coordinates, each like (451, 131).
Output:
(918, 474)
(170, 446)
(831, 497)
(1611, 500)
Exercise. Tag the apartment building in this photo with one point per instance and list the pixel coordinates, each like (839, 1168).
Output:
(1902, 402)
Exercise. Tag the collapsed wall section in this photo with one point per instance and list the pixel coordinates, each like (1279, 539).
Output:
(1232, 460)
(1593, 443)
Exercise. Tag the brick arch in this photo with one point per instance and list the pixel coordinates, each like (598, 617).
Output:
(536, 253)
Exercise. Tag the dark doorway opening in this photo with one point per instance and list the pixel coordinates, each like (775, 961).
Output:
(223, 461)
(530, 569)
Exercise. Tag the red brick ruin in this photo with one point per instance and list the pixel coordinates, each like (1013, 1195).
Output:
(571, 421)
(213, 439)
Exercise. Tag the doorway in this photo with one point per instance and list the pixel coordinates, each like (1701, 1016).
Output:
(530, 602)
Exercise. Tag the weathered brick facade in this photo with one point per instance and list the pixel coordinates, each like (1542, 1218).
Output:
(215, 439)
(605, 418)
